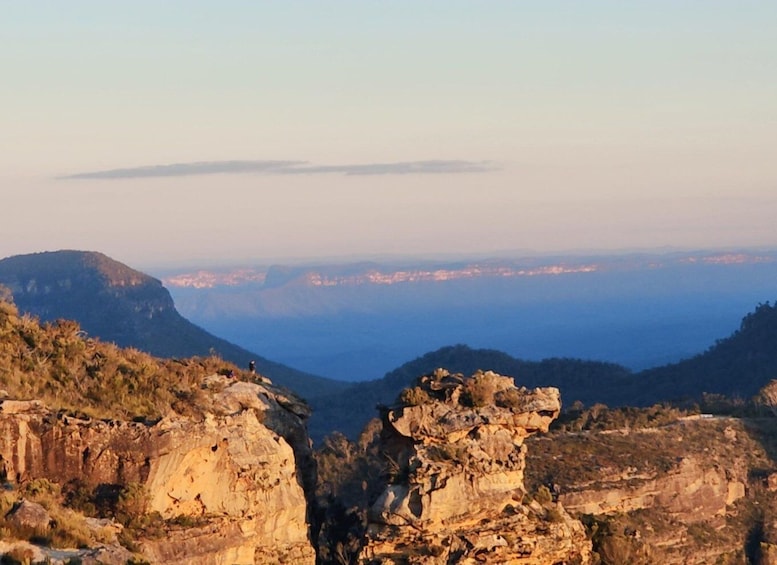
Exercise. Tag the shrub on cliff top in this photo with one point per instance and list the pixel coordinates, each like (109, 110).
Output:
(478, 391)
(508, 398)
(17, 556)
(414, 396)
(58, 364)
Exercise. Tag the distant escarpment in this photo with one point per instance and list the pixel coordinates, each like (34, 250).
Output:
(107, 298)
(116, 303)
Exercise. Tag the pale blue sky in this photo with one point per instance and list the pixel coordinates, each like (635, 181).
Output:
(552, 126)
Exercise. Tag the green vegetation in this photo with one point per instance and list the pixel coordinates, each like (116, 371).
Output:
(350, 477)
(67, 528)
(57, 364)
(478, 391)
(414, 396)
(593, 457)
(601, 449)
(616, 543)
(630, 538)
(734, 368)
(69, 506)
(600, 417)
(17, 556)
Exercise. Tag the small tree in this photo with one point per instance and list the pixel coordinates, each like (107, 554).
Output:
(132, 503)
(767, 397)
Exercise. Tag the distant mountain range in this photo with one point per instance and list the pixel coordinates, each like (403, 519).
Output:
(119, 304)
(370, 273)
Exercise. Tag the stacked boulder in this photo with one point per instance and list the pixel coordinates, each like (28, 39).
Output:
(455, 447)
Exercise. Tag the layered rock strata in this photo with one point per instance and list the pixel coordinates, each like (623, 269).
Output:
(694, 490)
(688, 492)
(456, 450)
(241, 470)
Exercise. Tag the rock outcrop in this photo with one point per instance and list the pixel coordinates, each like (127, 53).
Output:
(30, 515)
(688, 492)
(693, 490)
(456, 493)
(241, 471)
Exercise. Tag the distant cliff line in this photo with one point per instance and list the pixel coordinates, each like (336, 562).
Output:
(356, 274)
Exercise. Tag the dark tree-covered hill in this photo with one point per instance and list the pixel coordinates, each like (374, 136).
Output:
(737, 366)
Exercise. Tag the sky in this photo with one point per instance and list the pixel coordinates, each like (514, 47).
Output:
(190, 133)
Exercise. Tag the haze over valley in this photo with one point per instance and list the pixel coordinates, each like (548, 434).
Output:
(358, 321)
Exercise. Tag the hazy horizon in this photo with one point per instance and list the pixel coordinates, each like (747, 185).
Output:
(399, 259)
(162, 267)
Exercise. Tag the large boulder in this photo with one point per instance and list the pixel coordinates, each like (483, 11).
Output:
(26, 514)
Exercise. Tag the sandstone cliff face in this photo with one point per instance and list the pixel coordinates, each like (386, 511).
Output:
(693, 489)
(457, 494)
(242, 470)
(683, 493)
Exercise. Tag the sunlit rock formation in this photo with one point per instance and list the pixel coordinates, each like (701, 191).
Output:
(456, 494)
(240, 471)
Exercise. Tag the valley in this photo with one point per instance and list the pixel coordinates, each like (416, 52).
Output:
(356, 322)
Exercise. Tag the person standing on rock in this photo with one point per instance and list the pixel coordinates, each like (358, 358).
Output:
(252, 367)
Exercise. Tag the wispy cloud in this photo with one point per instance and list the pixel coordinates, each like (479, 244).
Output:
(187, 169)
(400, 168)
(290, 168)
